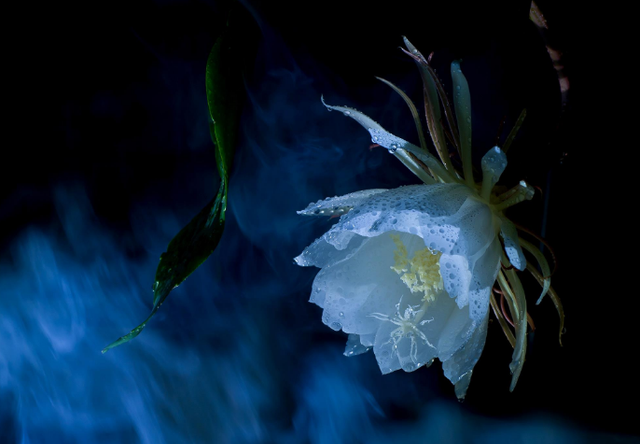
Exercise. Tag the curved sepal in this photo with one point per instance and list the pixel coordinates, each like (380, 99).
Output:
(394, 143)
(493, 165)
(512, 247)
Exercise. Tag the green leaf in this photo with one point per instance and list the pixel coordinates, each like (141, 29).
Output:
(200, 237)
(225, 94)
(186, 252)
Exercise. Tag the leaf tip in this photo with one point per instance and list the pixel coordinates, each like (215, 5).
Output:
(115, 343)
(112, 345)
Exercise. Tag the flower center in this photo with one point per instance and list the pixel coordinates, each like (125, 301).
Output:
(421, 274)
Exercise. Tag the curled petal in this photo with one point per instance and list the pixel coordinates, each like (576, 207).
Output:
(394, 143)
(459, 367)
(512, 247)
(332, 206)
(354, 347)
(493, 165)
(322, 253)
(544, 267)
(354, 288)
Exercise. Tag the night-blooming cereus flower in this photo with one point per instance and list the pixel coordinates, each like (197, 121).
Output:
(410, 272)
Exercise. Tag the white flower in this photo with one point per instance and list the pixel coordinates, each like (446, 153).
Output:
(409, 272)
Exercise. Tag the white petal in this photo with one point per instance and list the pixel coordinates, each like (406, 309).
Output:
(354, 347)
(428, 211)
(351, 290)
(456, 332)
(512, 247)
(421, 345)
(478, 228)
(323, 254)
(456, 277)
(432, 325)
(368, 339)
(384, 349)
(459, 366)
(485, 271)
(339, 205)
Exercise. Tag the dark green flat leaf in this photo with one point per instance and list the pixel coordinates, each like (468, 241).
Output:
(186, 252)
(200, 237)
(225, 94)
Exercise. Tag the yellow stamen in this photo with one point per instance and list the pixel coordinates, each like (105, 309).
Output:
(421, 274)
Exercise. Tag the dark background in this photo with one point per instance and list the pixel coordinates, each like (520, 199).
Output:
(108, 156)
